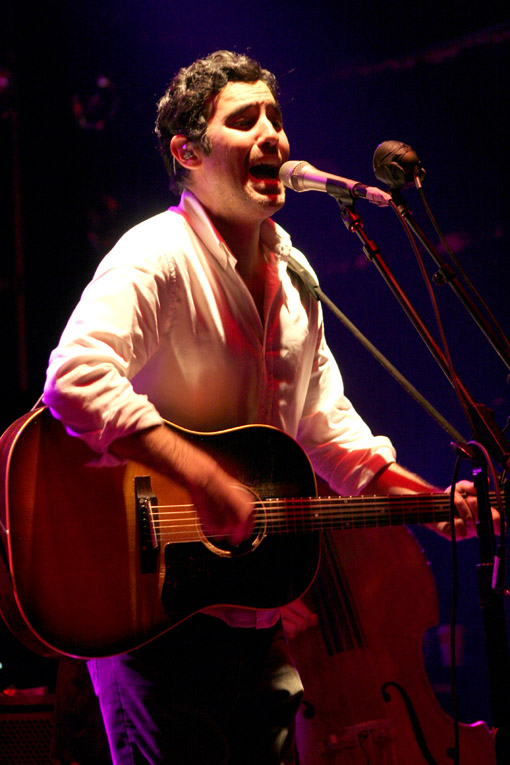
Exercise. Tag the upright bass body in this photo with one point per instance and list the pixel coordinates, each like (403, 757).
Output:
(367, 694)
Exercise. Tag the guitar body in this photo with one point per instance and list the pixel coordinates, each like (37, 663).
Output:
(73, 576)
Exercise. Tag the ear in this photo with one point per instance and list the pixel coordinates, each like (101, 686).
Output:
(184, 152)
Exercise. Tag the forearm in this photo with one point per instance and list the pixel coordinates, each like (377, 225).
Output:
(224, 507)
(394, 479)
(164, 450)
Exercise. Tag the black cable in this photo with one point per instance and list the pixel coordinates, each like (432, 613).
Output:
(453, 614)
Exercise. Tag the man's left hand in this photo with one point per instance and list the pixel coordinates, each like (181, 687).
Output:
(466, 506)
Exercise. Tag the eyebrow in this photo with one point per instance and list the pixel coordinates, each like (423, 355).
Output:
(253, 104)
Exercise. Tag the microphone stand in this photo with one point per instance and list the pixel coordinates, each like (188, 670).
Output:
(480, 418)
(487, 433)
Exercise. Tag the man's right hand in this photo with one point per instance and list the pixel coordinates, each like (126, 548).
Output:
(225, 508)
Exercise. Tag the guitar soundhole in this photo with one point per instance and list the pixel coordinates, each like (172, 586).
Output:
(224, 549)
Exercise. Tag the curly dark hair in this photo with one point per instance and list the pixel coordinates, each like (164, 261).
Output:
(184, 108)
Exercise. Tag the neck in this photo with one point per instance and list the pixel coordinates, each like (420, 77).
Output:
(243, 241)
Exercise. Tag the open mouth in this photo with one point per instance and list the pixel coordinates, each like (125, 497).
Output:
(264, 172)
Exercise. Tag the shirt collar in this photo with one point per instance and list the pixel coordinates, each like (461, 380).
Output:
(273, 236)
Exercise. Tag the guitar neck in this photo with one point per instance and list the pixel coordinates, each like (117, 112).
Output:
(300, 515)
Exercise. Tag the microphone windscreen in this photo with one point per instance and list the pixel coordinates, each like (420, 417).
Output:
(395, 164)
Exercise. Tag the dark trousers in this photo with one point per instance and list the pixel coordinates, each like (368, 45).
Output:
(202, 694)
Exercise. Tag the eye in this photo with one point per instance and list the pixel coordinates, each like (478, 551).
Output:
(243, 123)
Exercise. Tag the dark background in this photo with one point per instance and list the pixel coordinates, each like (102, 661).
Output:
(434, 75)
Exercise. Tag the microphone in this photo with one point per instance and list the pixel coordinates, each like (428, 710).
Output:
(397, 165)
(301, 176)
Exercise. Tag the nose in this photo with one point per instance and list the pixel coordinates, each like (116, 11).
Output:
(267, 131)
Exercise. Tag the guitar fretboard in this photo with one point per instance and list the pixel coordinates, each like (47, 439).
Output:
(299, 515)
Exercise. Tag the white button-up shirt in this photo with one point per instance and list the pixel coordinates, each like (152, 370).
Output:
(168, 329)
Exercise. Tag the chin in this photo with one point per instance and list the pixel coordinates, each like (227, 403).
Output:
(275, 201)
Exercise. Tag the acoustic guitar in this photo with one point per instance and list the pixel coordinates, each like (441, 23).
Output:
(99, 561)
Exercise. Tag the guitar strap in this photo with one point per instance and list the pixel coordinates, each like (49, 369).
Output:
(306, 277)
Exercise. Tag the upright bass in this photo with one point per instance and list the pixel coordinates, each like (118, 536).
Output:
(368, 698)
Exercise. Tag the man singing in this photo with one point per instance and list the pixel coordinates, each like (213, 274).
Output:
(195, 317)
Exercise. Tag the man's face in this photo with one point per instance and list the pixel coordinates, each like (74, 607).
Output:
(239, 180)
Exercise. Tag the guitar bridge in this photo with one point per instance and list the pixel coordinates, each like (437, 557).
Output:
(146, 507)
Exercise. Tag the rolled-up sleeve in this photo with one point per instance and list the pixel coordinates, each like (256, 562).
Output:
(109, 337)
(341, 446)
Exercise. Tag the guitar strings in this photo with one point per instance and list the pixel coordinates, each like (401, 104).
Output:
(420, 500)
(372, 507)
(297, 514)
